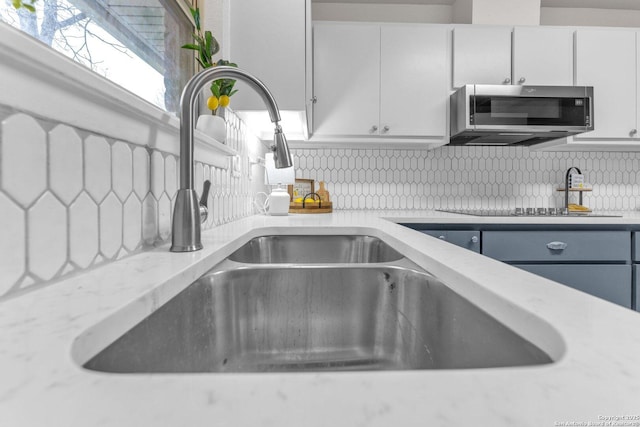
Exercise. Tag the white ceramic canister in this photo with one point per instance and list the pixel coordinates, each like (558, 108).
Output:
(279, 202)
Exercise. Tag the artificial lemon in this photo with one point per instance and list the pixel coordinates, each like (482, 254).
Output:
(224, 101)
(212, 103)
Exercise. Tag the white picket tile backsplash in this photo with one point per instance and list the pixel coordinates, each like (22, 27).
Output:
(13, 243)
(71, 200)
(83, 231)
(468, 177)
(97, 167)
(65, 163)
(122, 170)
(47, 238)
(23, 165)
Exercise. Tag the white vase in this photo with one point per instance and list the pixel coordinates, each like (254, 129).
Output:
(214, 126)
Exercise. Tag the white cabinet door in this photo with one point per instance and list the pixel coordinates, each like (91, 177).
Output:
(413, 80)
(309, 69)
(543, 56)
(606, 60)
(267, 38)
(346, 79)
(481, 55)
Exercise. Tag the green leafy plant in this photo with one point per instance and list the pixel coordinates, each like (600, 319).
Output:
(206, 46)
(27, 4)
(224, 87)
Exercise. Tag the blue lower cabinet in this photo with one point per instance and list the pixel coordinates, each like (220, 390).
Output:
(602, 263)
(636, 286)
(609, 282)
(464, 238)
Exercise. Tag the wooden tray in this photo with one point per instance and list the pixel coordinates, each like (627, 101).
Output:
(310, 208)
(585, 210)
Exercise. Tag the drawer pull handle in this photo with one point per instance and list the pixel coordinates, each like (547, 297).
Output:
(474, 239)
(557, 246)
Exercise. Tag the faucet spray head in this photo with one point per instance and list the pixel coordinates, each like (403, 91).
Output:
(280, 148)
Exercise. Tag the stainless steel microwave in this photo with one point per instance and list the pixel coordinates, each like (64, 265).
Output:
(519, 115)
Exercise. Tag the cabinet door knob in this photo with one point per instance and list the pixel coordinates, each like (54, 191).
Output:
(557, 246)
(385, 129)
(522, 80)
(507, 80)
(474, 239)
(314, 100)
(633, 132)
(374, 128)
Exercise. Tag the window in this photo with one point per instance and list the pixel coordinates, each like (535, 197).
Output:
(134, 43)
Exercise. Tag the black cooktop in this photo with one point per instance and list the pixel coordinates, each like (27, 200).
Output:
(481, 212)
(541, 212)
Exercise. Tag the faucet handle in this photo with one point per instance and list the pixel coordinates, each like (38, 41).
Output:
(204, 210)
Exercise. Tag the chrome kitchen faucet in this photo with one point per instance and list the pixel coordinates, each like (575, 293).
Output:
(566, 187)
(188, 213)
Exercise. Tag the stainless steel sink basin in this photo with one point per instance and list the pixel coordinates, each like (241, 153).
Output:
(315, 249)
(325, 318)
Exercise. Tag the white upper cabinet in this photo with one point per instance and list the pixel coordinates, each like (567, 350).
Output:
(268, 39)
(390, 83)
(481, 55)
(543, 56)
(346, 79)
(530, 56)
(606, 60)
(376, 81)
(413, 81)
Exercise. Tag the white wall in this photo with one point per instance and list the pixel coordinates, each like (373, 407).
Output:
(506, 12)
(462, 12)
(433, 14)
(214, 16)
(589, 17)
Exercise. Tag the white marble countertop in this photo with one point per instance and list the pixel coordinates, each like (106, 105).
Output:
(47, 334)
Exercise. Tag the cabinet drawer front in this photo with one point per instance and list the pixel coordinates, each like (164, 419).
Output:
(463, 238)
(557, 246)
(609, 282)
